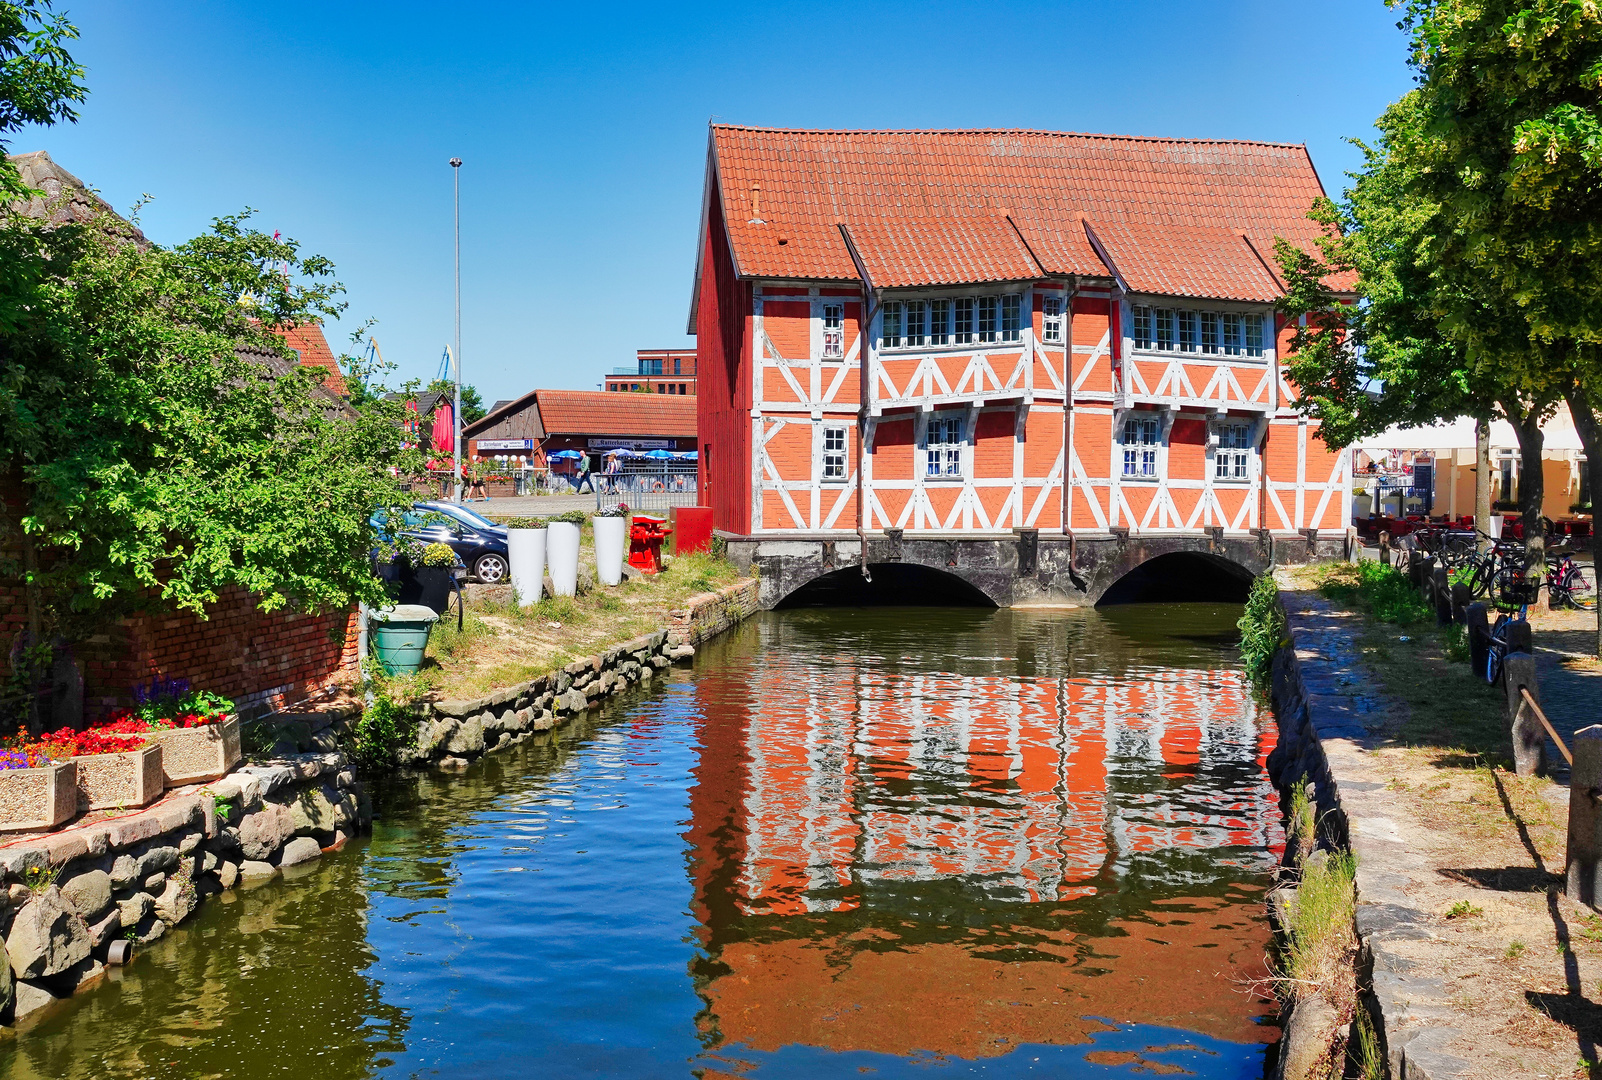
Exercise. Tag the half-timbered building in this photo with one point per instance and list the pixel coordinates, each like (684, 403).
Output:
(972, 332)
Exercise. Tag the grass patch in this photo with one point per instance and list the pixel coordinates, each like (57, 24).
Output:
(1316, 955)
(1464, 910)
(500, 644)
(1448, 706)
(1377, 590)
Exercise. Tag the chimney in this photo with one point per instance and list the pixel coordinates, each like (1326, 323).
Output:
(756, 204)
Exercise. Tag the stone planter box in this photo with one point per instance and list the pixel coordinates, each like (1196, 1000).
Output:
(38, 798)
(131, 778)
(195, 755)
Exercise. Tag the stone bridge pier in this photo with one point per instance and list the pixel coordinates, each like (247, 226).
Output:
(1021, 568)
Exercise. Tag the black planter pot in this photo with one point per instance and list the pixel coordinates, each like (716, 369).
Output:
(429, 586)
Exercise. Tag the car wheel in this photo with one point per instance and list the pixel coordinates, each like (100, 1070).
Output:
(490, 569)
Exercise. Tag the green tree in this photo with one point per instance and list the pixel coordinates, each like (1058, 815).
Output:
(39, 80)
(472, 405)
(1479, 276)
(161, 458)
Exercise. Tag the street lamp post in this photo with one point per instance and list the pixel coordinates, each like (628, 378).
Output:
(456, 412)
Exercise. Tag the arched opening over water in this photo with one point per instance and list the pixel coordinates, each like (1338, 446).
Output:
(893, 585)
(1181, 577)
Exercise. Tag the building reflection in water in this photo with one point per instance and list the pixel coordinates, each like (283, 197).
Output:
(929, 832)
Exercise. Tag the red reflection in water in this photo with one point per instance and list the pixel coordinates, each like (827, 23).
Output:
(896, 860)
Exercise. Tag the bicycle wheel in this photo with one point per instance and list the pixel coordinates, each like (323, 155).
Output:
(1579, 586)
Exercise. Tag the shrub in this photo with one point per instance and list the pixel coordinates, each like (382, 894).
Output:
(1382, 591)
(1262, 628)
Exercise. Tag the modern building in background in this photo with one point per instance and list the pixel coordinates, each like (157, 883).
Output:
(657, 371)
(982, 331)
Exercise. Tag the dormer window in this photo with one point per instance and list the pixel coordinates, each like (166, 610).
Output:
(1209, 333)
(1051, 320)
(833, 332)
(960, 320)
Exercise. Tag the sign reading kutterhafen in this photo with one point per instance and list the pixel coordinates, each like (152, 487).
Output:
(602, 442)
(506, 444)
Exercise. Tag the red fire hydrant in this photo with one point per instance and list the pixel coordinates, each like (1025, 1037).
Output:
(645, 543)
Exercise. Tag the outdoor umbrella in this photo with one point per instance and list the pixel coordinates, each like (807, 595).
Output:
(444, 429)
(660, 455)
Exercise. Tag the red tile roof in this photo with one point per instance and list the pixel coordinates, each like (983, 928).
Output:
(594, 412)
(313, 348)
(949, 207)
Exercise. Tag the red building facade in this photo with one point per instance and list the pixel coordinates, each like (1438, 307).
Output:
(981, 331)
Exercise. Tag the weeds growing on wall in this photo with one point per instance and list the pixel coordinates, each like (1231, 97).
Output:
(1262, 628)
(387, 726)
(1379, 590)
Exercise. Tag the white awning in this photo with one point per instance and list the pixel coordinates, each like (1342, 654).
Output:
(1459, 435)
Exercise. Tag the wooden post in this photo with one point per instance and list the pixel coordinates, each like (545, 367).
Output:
(1462, 597)
(1443, 596)
(1585, 815)
(1385, 548)
(1479, 637)
(1529, 737)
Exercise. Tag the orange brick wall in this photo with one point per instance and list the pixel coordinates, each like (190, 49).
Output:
(263, 661)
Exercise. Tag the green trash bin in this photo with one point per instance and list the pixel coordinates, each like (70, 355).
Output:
(399, 636)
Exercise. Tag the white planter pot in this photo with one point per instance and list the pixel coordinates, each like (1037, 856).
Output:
(525, 550)
(561, 555)
(610, 536)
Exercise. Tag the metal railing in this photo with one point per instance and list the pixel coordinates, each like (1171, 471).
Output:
(647, 485)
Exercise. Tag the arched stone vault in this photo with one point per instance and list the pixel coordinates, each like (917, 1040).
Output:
(1024, 567)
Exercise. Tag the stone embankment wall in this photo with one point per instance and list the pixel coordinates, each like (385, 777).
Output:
(1328, 722)
(66, 897)
(452, 733)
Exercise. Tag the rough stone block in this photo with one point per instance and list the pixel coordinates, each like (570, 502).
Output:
(177, 900)
(467, 739)
(89, 893)
(264, 832)
(255, 870)
(459, 710)
(30, 998)
(124, 872)
(227, 874)
(47, 937)
(108, 928)
(299, 850)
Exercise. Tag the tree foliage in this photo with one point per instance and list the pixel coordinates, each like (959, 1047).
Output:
(1473, 233)
(167, 447)
(472, 405)
(164, 457)
(39, 80)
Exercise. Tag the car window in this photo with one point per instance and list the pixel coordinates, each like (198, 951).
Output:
(462, 513)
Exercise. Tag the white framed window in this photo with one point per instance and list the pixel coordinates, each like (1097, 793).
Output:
(989, 321)
(916, 333)
(940, 322)
(834, 453)
(1012, 317)
(1051, 319)
(833, 331)
(942, 446)
(1164, 320)
(1233, 451)
(1211, 333)
(1141, 439)
(892, 325)
(963, 326)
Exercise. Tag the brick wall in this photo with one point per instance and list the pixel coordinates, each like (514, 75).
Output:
(261, 660)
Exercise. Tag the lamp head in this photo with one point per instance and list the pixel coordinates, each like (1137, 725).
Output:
(456, 163)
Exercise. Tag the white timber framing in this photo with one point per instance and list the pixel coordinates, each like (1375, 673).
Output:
(811, 391)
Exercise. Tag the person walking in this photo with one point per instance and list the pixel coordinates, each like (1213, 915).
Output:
(585, 479)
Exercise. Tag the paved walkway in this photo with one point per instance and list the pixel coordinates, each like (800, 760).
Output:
(533, 505)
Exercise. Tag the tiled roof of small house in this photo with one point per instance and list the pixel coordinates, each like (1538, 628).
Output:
(564, 412)
(312, 348)
(1173, 216)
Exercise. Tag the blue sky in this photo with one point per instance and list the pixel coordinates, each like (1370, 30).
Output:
(583, 131)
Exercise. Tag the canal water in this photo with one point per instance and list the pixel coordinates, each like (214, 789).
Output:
(875, 842)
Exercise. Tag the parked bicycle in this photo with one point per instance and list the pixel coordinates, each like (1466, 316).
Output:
(1515, 592)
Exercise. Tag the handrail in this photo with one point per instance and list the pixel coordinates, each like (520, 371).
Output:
(1541, 716)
